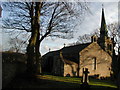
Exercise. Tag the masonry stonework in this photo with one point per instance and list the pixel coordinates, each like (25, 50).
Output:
(96, 60)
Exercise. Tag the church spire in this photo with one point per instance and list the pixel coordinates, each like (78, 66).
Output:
(104, 41)
(103, 29)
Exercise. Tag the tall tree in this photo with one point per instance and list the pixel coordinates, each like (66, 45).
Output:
(43, 19)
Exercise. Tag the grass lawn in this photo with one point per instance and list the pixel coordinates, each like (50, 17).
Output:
(77, 81)
(49, 81)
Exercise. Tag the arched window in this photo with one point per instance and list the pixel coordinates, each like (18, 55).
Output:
(95, 39)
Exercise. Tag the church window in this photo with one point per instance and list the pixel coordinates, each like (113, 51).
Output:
(94, 63)
(107, 46)
(95, 39)
(110, 47)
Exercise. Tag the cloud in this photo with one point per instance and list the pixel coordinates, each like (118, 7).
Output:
(93, 21)
(46, 47)
(53, 45)
(90, 23)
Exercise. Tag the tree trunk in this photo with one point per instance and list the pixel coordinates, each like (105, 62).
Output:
(37, 26)
(38, 56)
(38, 59)
(30, 55)
(32, 51)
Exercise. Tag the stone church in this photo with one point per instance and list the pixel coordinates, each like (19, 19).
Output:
(72, 60)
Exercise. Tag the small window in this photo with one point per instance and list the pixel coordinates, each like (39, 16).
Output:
(95, 39)
(94, 65)
(110, 47)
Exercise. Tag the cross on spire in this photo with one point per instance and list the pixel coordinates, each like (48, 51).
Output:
(102, 5)
(49, 49)
(64, 44)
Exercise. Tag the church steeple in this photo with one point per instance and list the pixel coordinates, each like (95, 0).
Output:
(104, 41)
(103, 32)
(103, 29)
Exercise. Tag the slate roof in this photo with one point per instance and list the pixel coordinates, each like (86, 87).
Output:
(70, 53)
(74, 49)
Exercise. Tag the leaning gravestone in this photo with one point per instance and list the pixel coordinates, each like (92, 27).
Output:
(85, 79)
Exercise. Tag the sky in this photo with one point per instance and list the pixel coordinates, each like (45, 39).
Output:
(89, 24)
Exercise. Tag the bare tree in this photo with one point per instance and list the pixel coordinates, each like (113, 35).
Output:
(84, 38)
(43, 19)
(113, 32)
(17, 44)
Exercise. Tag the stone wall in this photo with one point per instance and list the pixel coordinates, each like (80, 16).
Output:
(103, 60)
(12, 64)
(70, 70)
(10, 70)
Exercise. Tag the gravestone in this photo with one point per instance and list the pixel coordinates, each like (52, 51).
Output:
(85, 76)
(85, 79)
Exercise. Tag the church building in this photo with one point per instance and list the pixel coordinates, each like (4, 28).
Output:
(72, 60)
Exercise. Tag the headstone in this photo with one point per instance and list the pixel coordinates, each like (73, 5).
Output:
(85, 79)
(85, 76)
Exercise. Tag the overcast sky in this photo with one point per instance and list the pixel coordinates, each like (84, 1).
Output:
(90, 23)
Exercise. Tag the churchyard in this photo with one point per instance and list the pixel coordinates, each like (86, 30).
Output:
(14, 77)
(50, 81)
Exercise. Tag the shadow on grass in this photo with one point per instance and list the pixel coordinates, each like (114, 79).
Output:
(24, 82)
